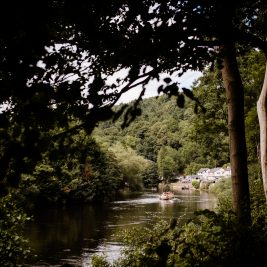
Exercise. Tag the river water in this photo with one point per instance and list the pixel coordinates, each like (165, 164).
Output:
(73, 234)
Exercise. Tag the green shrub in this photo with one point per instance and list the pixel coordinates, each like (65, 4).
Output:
(196, 184)
(209, 239)
(99, 261)
(223, 191)
(14, 248)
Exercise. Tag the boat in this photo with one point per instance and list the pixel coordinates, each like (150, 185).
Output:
(166, 195)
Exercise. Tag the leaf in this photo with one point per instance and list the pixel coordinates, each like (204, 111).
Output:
(171, 89)
(180, 101)
(219, 63)
(160, 89)
(119, 113)
(133, 73)
(188, 93)
(167, 80)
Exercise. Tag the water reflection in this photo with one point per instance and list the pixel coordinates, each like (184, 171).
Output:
(73, 234)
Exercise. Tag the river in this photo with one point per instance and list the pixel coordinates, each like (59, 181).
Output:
(73, 234)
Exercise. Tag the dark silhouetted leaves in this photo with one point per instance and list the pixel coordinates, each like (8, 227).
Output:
(119, 113)
(167, 80)
(133, 73)
(170, 90)
(180, 101)
(188, 93)
(160, 89)
(130, 115)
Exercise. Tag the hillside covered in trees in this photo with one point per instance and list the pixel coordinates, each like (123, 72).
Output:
(180, 140)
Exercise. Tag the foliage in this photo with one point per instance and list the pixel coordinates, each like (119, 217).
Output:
(205, 141)
(205, 185)
(132, 165)
(167, 162)
(171, 136)
(84, 172)
(14, 248)
(157, 126)
(193, 168)
(254, 170)
(252, 69)
(196, 184)
(209, 239)
(258, 204)
(150, 176)
(223, 191)
(99, 261)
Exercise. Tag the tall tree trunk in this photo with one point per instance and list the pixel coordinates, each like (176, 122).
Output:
(236, 127)
(262, 115)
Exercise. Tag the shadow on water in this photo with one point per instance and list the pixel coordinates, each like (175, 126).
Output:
(72, 235)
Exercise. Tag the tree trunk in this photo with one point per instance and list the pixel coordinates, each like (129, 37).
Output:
(236, 127)
(262, 115)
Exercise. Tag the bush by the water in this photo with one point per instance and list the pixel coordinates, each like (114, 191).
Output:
(210, 239)
(14, 248)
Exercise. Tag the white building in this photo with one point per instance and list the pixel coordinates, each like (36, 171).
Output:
(214, 174)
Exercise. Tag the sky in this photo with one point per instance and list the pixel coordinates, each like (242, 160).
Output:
(186, 80)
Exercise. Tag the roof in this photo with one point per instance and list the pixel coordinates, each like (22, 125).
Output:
(203, 169)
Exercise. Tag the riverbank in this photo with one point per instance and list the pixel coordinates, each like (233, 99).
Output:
(178, 186)
(182, 186)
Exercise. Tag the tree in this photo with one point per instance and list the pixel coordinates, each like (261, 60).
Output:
(132, 165)
(236, 124)
(252, 66)
(168, 162)
(85, 172)
(150, 176)
(14, 249)
(148, 38)
(262, 115)
(204, 136)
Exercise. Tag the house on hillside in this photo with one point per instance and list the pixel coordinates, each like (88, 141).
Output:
(202, 171)
(214, 173)
(217, 172)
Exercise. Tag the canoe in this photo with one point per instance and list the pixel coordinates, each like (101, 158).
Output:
(166, 196)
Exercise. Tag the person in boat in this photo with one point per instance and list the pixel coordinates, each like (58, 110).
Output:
(166, 195)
